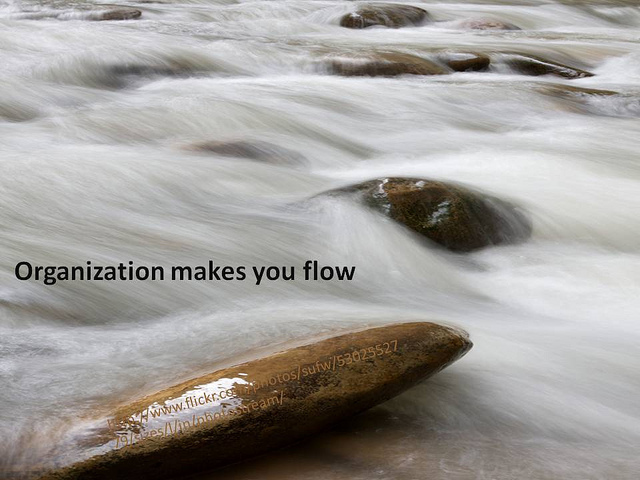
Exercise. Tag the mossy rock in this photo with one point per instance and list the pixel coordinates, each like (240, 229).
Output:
(281, 398)
(457, 218)
(385, 65)
(386, 15)
(536, 66)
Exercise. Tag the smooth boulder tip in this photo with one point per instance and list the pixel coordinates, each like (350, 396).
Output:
(384, 65)
(455, 217)
(114, 12)
(536, 66)
(249, 409)
(465, 61)
(386, 15)
(486, 24)
(251, 150)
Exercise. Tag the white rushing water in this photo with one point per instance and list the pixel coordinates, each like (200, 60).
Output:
(94, 121)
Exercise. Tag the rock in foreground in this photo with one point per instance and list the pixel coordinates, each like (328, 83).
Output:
(385, 65)
(249, 409)
(386, 15)
(457, 218)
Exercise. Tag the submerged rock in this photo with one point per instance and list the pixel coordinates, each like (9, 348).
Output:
(455, 217)
(385, 65)
(486, 24)
(571, 91)
(387, 15)
(251, 408)
(464, 61)
(252, 150)
(114, 12)
(536, 66)
(593, 101)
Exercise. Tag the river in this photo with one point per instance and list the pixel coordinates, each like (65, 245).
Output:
(97, 124)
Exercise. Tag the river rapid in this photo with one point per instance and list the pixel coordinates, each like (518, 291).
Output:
(96, 120)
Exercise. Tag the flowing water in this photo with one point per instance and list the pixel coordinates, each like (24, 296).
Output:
(94, 121)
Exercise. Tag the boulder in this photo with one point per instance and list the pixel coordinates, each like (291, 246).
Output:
(452, 216)
(464, 61)
(385, 65)
(251, 150)
(536, 66)
(251, 408)
(486, 24)
(114, 12)
(386, 15)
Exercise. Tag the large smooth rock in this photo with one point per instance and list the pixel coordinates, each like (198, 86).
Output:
(455, 217)
(386, 15)
(385, 65)
(265, 404)
(536, 66)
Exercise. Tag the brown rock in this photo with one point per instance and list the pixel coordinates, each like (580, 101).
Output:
(464, 62)
(114, 12)
(571, 91)
(455, 217)
(267, 403)
(536, 66)
(486, 24)
(385, 65)
(252, 150)
(387, 15)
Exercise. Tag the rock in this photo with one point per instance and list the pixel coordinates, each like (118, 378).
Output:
(387, 15)
(464, 62)
(571, 91)
(114, 12)
(252, 150)
(385, 65)
(486, 24)
(457, 218)
(593, 101)
(535, 66)
(265, 404)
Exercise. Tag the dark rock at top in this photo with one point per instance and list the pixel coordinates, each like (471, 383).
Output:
(387, 15)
